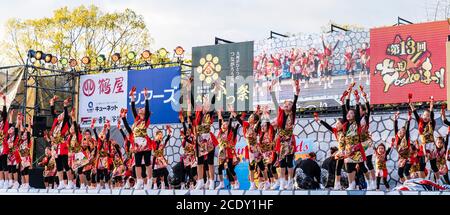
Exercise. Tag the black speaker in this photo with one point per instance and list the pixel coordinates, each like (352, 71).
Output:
(39, 126)
(37, 178)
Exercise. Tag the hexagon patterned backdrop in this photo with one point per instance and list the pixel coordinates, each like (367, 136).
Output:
(381, 127)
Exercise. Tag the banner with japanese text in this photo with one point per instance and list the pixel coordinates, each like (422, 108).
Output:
(228, 67)
(101, 96)
(163, 85)
(408, 59)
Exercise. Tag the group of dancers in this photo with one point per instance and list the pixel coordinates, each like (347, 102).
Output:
(299, 64)
(76, 158)
(356, 149)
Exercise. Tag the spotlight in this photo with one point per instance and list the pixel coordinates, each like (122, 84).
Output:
(162, 52)
(131, 55)
(146, 55)
(31, 53)
(39, 55)
(48, 58)
(73, 63)
(85, 60)
(64, 61)
(101, 59)
(179, 51)
(54, 60)
(115, 57)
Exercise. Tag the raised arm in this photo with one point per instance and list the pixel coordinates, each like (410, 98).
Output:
(169, 134)
(66, 119)
(123, 116)
(133, 102)
(108, 129)
(407, 128)
(147, 106)
(357, 110)
(397, 114)
(52, 106)
(328, 126)
(93, 128)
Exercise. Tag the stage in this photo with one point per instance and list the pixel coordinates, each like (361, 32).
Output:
(214, 192)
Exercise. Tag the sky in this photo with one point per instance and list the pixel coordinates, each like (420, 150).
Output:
(196, 22)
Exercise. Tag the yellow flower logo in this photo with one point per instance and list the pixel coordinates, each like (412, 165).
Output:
(209, 68)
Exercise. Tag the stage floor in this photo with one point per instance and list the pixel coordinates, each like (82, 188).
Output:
(209, 192)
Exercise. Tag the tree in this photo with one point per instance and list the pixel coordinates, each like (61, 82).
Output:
(83, 31)
(437, 9)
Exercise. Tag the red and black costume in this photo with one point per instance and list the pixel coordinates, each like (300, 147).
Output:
(138, 137)
(403, 146)
(349, 63)
(103, 156)
(206, 141)
(227, 153)
(58, 133)
(427, 146)
(267, 146)
(327, 57)
(381, 168)
(189, 157)
(24, 151)
(76, 155)
(285, 141)
(160, 163)
(13, 155)
(355, 153)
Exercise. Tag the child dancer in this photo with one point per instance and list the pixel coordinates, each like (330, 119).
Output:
(414, 161)
(189, 158)
(266, 142)
(102, 155)
(159, 160)
(251, 130)
(381, 169)
(49, 164)
(403, 145)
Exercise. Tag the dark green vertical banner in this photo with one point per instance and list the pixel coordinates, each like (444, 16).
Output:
(228, 67)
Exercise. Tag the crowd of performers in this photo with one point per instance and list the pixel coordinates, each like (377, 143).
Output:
(299, 64)
(91, 159)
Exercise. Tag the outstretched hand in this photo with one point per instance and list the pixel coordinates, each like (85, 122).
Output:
(93, 122)
(67, 101)
(297, 87)
(396, 115)
(146, 94)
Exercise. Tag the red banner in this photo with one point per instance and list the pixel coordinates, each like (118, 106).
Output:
(408, 59)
